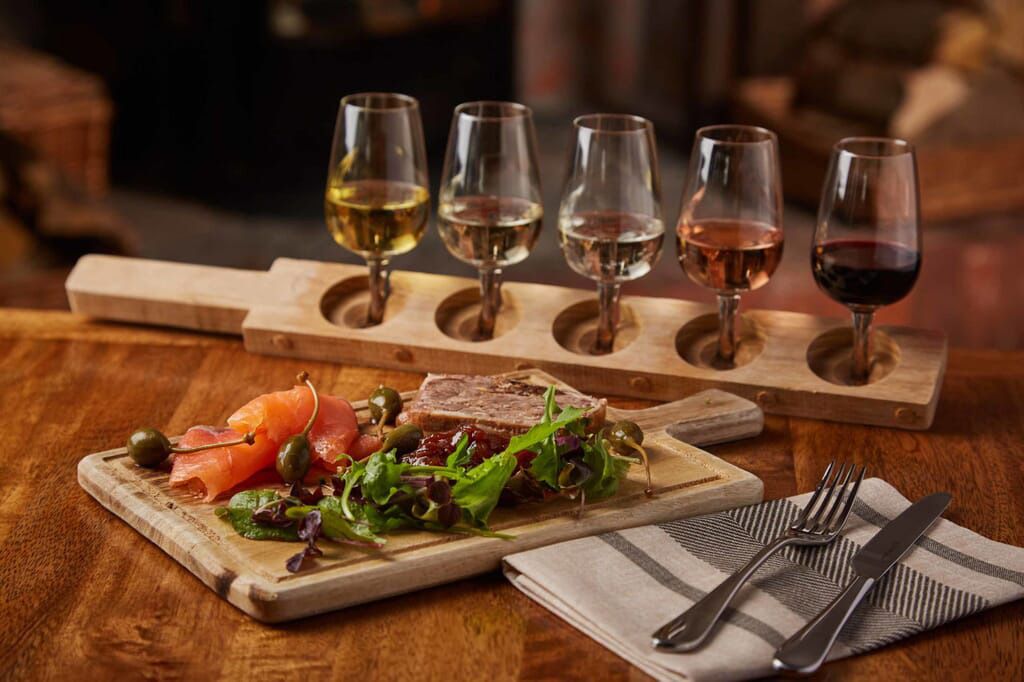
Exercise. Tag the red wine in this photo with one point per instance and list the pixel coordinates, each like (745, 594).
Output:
(873, 273)
(729, 255)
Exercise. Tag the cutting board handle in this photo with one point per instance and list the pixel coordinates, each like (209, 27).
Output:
(704, 418)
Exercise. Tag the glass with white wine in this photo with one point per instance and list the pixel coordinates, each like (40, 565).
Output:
(489, 213)
(609, 222)
(377, 202)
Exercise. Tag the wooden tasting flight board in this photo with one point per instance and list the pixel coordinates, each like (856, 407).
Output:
(251, 574)
(289, 311)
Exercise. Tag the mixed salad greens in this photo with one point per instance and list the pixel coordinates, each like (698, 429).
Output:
(384, 493)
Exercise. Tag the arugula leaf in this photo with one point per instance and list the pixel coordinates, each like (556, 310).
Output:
(607, 468)
(382, 476)
(478, 491)
(239, 514)
(548, 462)
(461, 456)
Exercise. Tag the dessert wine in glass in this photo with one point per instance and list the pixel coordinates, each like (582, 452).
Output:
(377, 202)
(609, 221)
(729, 232)
(867, 245)
(490, 213)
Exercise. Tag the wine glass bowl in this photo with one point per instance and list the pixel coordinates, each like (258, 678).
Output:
(489, 214)
(729, 234)
(609, 221)
(866, 251)
(376, 202)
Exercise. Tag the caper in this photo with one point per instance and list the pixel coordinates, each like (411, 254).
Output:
(621, 433)
(385, 403)
(404, 439)
(149, 447)
(625, 437)
(293, 458)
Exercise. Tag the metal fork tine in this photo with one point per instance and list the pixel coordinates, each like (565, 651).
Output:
(814, 498)
(841, 521)
(815, 518)
(823, 525)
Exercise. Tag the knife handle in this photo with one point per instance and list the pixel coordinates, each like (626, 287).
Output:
(805, 651)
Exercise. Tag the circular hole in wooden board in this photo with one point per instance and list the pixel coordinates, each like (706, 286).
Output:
(575, 328)
(458, 313)
(697, 342)
(829, 356)
(345, 302)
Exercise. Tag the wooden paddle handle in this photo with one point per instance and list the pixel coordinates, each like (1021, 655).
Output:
(180, 295)
(704, 418)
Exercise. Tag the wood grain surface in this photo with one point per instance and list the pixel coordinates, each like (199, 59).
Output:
(251, 575)
(84, 596)
(291, 307)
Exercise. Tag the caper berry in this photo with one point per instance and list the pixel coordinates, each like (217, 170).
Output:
(621, 433)
(385, 403)
(293, 459)
(404, 439)
(148, 447)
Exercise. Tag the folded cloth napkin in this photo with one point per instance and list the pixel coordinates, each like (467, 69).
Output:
(619, 587)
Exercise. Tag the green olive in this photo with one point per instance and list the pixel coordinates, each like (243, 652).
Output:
(621, 433)
(385, 403)
(293, 459)
(148, 447)
(404, 439)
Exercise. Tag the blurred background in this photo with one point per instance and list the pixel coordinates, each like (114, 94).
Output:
(199, 131)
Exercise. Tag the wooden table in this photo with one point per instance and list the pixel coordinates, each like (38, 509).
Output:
(83, 594)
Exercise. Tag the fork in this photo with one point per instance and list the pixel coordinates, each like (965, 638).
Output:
(817, 524)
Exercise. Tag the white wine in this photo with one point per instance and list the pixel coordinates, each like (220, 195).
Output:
(488, 230)
(377, 218)
(609, 246)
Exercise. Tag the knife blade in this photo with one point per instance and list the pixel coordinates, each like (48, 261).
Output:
(805, 651)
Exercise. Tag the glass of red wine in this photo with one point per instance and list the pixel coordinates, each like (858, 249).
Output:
(729, 232)
(867, 245)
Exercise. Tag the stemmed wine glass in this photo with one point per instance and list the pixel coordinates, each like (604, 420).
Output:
(609, 221)
(490, 213)
(729, 232)
(867, 245)
(377, 202)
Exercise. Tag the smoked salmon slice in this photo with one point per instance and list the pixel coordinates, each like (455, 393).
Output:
(273, 417)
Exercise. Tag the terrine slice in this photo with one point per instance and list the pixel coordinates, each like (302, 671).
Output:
(498, 404)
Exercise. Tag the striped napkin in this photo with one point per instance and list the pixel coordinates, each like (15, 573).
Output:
(619, 587)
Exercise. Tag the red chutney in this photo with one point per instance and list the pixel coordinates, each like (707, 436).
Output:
(435, 447)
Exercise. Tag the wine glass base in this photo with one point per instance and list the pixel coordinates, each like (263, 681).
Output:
(458, 316)
(830, 356)
(346, 302)
(697, 342)
(575, 328)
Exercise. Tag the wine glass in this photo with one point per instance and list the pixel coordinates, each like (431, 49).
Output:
(729, 232)
(377, 202)
(609, 221)
(489, 213)
(867, 245)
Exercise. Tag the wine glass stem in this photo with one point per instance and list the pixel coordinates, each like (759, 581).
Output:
(728, 304)
(861, 367)
(608, 316)
(380, 287)
(490, 301)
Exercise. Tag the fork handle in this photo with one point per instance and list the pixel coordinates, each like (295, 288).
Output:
(806, 650)
(688, 630)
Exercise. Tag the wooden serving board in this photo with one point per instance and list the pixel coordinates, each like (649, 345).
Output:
(251, 574)
(794, 363)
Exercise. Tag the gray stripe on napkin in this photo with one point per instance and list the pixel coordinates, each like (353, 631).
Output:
(806, 579)
(876, 518)
(667, 579)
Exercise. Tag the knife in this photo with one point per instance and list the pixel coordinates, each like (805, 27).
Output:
(805, 651)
